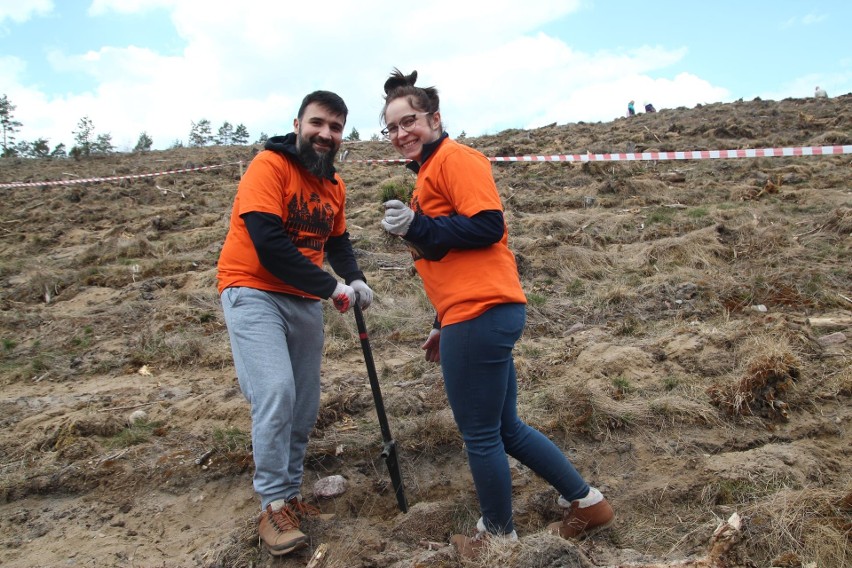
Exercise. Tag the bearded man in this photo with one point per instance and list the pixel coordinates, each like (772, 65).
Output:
(288, 215)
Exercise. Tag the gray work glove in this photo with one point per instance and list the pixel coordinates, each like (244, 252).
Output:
(398, 217)
(365, 295)
(343, 297)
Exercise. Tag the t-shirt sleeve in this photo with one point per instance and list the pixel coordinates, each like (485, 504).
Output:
(470, 184)
(261, 186)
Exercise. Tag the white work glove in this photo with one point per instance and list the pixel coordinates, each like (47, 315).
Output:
(432, 346)
(364, 294)
(343, 297)
(398, 217)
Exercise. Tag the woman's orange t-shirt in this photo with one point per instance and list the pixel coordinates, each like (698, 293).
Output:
(465, 282)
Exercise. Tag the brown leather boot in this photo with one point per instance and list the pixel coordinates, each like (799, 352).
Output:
(583, 517)
(469, 547)
(302, 509)
(279, 531)
(472, 547)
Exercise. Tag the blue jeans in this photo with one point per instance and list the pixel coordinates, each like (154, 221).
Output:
(276, 340)
(482, 388)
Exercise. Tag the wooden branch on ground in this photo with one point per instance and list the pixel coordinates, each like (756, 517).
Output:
(837, 321)
(722, 543)
(319, 557)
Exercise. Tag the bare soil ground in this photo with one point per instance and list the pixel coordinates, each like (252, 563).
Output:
(688, 346)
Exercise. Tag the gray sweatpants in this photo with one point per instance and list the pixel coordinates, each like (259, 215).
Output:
(276, 341)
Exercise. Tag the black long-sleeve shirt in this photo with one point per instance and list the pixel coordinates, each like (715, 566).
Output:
(282, 259)
(435, 236)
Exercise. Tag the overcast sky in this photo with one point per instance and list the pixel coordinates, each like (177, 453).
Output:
(158, 65)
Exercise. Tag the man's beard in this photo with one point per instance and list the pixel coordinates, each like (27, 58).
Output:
(319, 164)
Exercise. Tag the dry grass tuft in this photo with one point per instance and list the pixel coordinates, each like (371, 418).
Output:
(72, 429)
(583, 262)
(674, 410)
(840, 221)
(428, 432)
(839, 383)
(241, 548)
(425, 521)
(811, 525)
(699, 249)
(771, 371)
(572, 408)
(544, 550)
(757, 242)
(340, 405)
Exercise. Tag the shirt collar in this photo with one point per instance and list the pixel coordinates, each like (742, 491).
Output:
(428, 149)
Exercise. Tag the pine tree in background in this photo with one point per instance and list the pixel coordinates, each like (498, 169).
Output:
(225, 134)
(144, 143)
(201, 133)
(241, 135)
(354, 136)
(195, 138)
(40, 148)
(21, 149)
(103, 144)
(83, 138)
(9, 126)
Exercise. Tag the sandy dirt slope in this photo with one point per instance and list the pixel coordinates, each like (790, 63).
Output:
(688, 346)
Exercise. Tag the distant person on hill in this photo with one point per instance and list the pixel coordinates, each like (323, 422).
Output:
(455, 228)
(650, 108)
(631, 110)
(288, 215)
(820, 93)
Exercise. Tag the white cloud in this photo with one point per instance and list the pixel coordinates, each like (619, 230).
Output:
(813, 19)
(11, 69)
(515, 86)
(20, 11)
(253, 63)
(806, 20)
(835, 84)
(103, 7)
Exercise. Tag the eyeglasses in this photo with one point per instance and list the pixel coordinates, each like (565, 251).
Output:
(406, 123)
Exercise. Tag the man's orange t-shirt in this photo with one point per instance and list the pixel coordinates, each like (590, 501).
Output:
(466, 282)
(311, 208)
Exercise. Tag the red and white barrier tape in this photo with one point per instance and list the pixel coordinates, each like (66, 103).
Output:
(689, 155)
(113, 178)
(655, 156)
(795, 151)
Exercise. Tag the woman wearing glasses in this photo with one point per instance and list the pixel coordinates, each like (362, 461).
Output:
(454, 225)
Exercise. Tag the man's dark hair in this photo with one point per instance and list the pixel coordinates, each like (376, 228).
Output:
(331, 101)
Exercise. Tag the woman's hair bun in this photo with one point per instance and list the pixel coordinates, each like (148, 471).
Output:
(397, 79)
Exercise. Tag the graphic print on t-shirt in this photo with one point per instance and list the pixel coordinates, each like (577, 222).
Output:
(309, 222)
